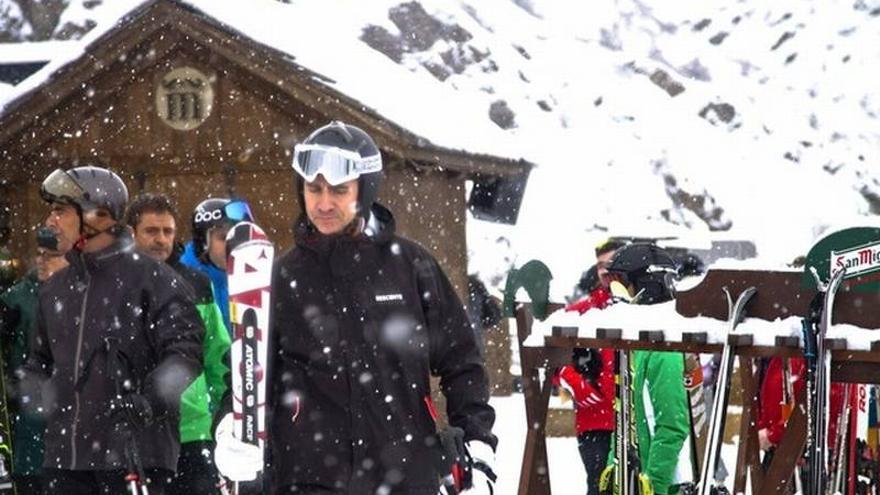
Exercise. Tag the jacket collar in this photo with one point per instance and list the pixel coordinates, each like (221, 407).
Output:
(379, 231)
(100, 259)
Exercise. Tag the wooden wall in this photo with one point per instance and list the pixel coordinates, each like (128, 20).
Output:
(252, 128)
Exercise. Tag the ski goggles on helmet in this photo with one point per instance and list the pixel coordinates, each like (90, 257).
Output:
(238, 211)
(336, 165)
(60, 187)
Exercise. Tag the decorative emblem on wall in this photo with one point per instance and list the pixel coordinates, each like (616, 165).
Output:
(184, 98)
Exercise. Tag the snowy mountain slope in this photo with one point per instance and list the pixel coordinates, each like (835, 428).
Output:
(738, 120)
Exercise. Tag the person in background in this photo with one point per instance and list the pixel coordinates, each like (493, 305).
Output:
(659, 400)
(589, 379)
(153, 222)
(206, 252)
(483, 311)
(18, 309)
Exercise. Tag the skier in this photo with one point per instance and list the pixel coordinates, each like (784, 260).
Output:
(597, 275)
(18, 308)
(659, 399)
(118, 339)
(775, 402)
(590, 377)
(206, 252)
(362, 318)
(153, 221)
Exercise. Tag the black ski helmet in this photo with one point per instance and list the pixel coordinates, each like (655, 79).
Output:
(649, 268)
(87, 188)
(213, 212)
(341, 152)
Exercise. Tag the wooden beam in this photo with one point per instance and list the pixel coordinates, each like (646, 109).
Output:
(780, 294)
(747, 458)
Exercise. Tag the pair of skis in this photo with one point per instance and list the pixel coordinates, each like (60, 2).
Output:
(627, 475)
(709, 484)
(818, 378)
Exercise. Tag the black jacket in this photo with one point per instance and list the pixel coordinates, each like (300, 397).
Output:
(359, 325)
(115, 321)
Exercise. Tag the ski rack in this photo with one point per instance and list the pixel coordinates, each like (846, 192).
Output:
(779, 295)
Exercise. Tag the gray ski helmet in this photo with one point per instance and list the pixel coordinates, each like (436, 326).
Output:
(649, 268)
(213, 212)
(341, 152)
(87, 188)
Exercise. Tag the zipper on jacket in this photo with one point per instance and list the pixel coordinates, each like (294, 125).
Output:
(79, 339)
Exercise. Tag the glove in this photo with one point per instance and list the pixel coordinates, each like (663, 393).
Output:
(587, 362)
(470, 464)
(481, 460)
(133, 410)
(237, 460)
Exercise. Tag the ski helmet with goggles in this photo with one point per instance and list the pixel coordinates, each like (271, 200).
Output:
(341, 153)
(87, 188)
(213, 212)
(649, 268)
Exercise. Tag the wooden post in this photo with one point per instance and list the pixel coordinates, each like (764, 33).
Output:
(748, 460)
(534, 478)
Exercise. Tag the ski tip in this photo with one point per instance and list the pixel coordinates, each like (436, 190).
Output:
(241, 233)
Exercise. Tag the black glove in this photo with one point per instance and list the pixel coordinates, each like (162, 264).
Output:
(133, 410)
(587, 362)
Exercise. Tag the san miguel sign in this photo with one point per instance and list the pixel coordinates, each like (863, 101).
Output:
(857, 261)
(184, 98)
(857, 249)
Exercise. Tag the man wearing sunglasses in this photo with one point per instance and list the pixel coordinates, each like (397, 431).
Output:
(206, 253)
(362, 317)
(118, 339)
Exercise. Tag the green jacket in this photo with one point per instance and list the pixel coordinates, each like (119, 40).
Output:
(662, 373)
(661, 376)
(18, 307)
(203, 397)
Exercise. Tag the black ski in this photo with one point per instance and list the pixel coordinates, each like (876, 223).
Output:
(819, 384)
(623, 455)
(708, 482)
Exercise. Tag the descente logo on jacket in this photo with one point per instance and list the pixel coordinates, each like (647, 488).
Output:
(389, 297)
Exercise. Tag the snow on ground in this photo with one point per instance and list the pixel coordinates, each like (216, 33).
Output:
(567, 475)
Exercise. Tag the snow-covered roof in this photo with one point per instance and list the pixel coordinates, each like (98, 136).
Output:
(318, 38)
(33, 51)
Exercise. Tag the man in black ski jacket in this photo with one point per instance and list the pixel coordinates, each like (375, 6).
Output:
(361, 319)
(118, 340)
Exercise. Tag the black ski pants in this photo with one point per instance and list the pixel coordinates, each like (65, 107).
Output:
(100, 482)
(196, 473)
(594, 447)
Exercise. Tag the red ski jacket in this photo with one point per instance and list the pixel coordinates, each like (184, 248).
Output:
(771, 399)
(594, 400)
